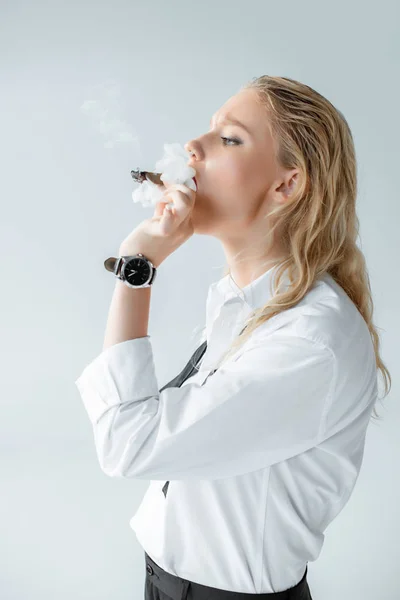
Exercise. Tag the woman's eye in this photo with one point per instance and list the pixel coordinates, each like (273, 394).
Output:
(235, 141)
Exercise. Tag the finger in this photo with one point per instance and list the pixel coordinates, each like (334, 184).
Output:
(186, 190)
(180, 205)
(160, 205)
(167, 223)
(159, 209)
(182, 202)
(182, 188)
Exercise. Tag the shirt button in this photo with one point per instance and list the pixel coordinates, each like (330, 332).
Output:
(149, 569)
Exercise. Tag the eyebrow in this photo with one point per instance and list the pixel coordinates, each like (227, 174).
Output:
(235, 122)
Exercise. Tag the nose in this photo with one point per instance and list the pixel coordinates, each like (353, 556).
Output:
(191, 149)
(188, 148)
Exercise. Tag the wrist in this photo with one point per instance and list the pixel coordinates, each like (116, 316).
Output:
(125, 252)
(156, 261)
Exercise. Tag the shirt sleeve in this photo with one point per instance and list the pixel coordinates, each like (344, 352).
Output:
(262, 408)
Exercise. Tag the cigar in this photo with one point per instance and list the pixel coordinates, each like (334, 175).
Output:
(141, 176)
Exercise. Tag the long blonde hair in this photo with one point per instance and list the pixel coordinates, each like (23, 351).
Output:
(319, 226)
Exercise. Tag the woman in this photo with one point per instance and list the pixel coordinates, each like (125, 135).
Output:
(251, 457)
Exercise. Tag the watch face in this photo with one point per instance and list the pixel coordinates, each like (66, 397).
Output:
(137, 271)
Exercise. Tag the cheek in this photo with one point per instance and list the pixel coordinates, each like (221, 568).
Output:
(229, 180)
(227, 187)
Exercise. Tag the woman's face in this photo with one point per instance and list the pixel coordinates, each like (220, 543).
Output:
(236, 177)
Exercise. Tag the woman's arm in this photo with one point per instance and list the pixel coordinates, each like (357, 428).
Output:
(268, 405)
(128, 316)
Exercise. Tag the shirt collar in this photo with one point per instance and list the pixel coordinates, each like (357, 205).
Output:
(255, 294)
(225, 292)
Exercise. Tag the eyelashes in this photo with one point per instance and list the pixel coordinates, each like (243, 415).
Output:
(235, 141)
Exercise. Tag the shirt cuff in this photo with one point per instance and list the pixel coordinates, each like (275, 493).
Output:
(124, 372)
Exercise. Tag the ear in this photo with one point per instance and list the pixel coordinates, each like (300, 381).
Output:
(288, 186)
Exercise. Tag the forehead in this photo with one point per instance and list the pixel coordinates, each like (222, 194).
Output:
(246, 107)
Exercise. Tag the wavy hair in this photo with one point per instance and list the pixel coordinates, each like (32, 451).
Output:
(318, 226)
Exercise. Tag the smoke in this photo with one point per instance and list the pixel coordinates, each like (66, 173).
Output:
(103, 109)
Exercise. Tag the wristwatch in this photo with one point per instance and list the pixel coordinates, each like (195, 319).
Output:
(135, 271)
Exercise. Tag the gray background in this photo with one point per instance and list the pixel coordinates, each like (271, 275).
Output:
(160, 70)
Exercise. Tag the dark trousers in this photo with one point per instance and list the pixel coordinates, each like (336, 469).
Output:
(160, 585)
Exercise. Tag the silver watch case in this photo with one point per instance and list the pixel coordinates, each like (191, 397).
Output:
(117, 266)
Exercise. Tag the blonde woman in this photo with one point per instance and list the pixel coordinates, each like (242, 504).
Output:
(256, 446)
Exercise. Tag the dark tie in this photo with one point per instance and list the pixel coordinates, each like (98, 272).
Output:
(186, 372)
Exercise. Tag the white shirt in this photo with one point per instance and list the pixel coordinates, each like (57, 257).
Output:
(261, 456)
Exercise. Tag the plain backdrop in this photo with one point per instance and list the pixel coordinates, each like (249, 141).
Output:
(89, 91)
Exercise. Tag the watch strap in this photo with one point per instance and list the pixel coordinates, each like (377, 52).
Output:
(113, 264)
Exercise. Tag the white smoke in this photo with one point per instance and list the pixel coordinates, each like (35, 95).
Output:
(103, 110)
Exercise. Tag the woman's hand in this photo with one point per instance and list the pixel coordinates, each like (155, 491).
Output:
(165, 231)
